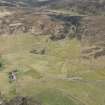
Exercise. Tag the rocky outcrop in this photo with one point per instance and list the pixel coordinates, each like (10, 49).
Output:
(29, 23)
(56, 26)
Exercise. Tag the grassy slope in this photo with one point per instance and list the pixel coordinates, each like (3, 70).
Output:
(60, 77)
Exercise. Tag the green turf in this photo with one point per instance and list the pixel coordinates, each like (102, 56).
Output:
(59, 77)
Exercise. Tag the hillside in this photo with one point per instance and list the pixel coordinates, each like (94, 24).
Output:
(89, 30)
(52, 52)
(84, 7)
(87, 7)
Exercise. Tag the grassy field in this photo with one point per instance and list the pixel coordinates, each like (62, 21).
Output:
(58, 77)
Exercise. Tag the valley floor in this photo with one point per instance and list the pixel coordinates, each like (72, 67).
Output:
(51, 71)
